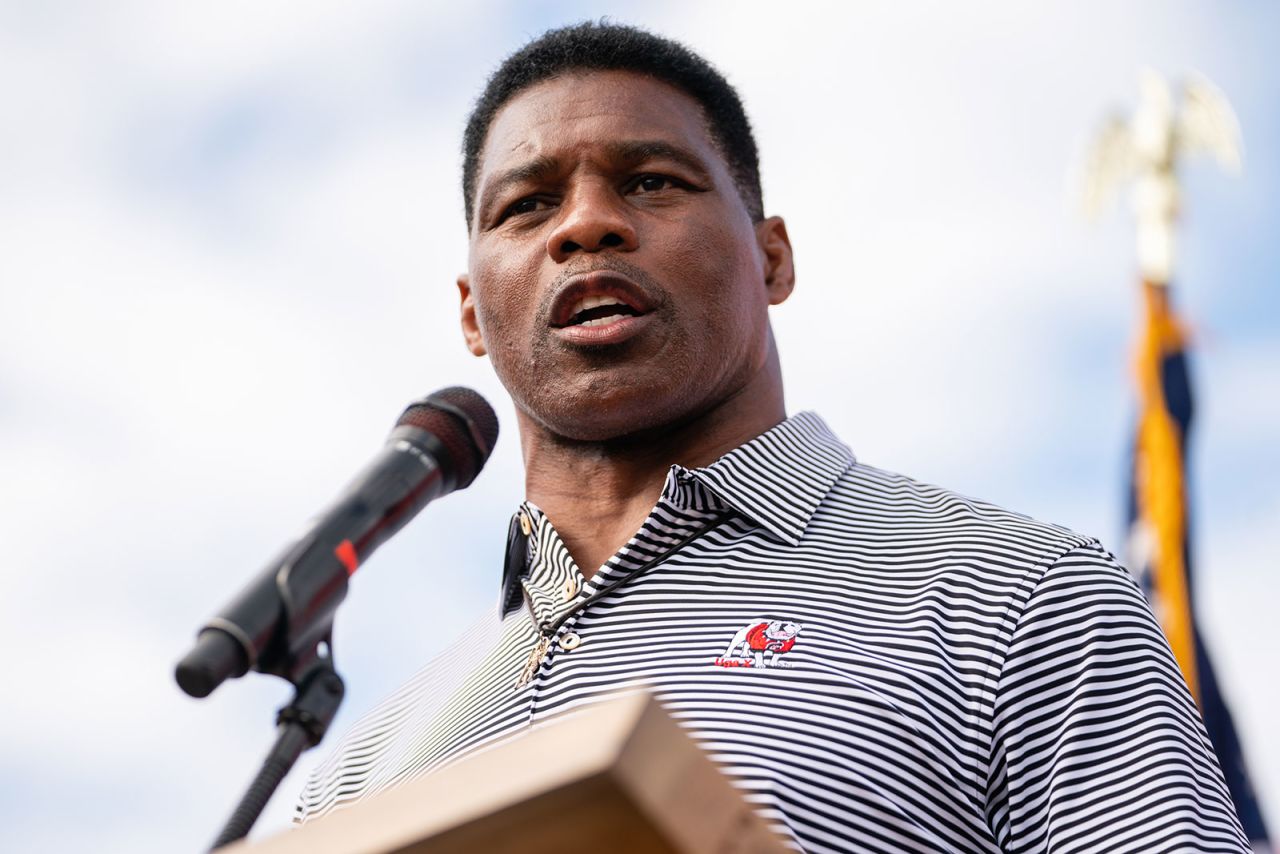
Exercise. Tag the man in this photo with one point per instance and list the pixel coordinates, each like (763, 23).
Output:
(878, 664)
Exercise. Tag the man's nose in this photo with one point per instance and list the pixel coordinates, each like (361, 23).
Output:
(593, 218)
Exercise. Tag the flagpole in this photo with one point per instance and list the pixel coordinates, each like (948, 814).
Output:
(1144, 150)
(1159, 481)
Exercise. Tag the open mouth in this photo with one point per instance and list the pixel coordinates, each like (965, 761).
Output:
(598, 299)
(599, 311)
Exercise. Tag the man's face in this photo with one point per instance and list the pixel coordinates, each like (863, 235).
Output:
(615, 277)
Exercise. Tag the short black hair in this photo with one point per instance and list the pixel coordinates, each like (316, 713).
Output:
(604, 46)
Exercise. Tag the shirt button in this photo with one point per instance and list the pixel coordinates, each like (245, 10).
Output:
(570, 641)
(570, 587)
(525, 525)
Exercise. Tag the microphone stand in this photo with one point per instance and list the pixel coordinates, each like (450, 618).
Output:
(318, 691)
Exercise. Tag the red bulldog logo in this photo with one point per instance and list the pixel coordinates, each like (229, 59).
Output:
(763, 643)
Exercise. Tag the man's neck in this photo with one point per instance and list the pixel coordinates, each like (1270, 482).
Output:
(598, 494)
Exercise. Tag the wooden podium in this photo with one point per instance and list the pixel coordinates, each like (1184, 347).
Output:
(619, 777)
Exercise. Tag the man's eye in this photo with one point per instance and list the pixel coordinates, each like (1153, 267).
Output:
(653, 183)
(524, 206)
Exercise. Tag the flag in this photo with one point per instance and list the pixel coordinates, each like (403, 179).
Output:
(1160, 536)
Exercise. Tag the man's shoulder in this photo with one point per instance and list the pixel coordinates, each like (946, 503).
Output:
(892, 509)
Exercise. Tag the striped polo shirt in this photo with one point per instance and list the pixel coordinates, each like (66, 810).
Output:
(877, 665)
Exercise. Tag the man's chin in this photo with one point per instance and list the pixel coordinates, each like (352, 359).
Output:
(598, 412)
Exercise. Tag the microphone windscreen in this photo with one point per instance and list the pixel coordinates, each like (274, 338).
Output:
(465, 424)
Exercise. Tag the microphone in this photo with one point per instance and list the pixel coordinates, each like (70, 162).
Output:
(279, 621)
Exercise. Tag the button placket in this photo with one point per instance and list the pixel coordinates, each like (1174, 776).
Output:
(570, 627)
(566, 639)
(559, 601)
(558, 646)
(552, 583)
(571, 587)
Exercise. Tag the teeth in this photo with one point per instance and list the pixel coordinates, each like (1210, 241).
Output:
(601, 321)
(593, 302)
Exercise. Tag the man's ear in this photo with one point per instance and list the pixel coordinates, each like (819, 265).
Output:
(779, 268)
(470, 328)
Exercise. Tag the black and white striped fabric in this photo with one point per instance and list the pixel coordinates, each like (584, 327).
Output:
(878, 665)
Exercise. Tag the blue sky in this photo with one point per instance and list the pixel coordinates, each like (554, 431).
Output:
(230, 238)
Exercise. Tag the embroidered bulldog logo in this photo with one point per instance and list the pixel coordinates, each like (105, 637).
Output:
(761, 643)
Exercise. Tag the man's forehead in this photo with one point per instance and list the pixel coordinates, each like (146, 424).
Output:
(593, 108)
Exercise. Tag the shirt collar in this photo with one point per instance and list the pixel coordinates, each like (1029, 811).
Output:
(779, 478)
(776, 480)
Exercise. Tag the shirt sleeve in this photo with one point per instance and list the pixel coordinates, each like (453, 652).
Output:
(1096, 742)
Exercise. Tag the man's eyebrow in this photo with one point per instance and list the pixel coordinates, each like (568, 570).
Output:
(628, 152)
(637, 151)
(536, 169)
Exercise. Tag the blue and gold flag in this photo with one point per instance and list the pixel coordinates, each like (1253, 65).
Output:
(1160, 536)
